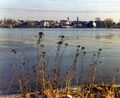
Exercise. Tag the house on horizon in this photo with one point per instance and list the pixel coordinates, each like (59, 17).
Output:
(90, 24)
(47, 23)
(78, 24)
(65, 23)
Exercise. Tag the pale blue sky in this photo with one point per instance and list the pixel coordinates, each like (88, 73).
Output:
(34, 9)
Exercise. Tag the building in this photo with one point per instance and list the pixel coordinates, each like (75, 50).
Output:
(100, 24)
(90, 24)
(47, 23)
(65, 23)
(78, 24)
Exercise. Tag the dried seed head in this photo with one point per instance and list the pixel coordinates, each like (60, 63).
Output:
(83, 48)
(84, 52)
(43, 52)
(62, 36)
(23, 63)
(77, 54)
(60, 43)
(14, 51)
(40, 33)
(78, 46)
(66, 44)
(117, 70)
(100, 49)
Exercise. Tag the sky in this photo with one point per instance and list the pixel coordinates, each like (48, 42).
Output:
(60, 9)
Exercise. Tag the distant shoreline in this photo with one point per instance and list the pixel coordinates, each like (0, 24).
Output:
(62, 28)
(97, 23)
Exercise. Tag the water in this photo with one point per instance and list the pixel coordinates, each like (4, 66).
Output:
(24, 40)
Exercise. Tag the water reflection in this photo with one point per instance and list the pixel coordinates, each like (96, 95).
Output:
(109, 36)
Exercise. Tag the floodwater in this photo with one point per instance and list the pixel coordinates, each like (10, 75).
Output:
(24, 40)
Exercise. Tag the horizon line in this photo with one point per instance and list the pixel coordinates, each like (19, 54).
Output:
(58, 11)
